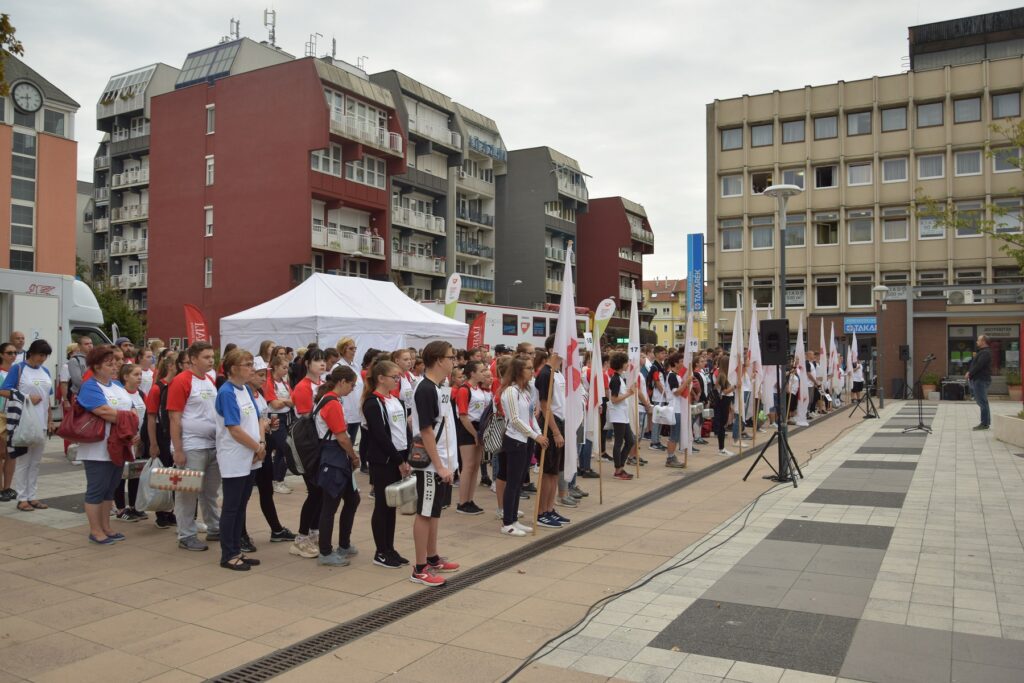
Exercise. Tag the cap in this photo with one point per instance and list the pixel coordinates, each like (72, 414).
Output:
(259, 364)
(502, 348)
(122, 340)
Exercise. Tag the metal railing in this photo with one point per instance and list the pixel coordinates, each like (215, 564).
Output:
(630, 255)
(100, 255)
(419, 262)
(120, 105)
(101, 162)
(474, 282)
(359, 129)
(493, 151)
(626, 293)
(101, 194)
(418, 219)
(555, 254)
(100, 224)
(442, 135)
(474, 249)
(135, 176)
(128, 246)
(554, 286)
(642, 235)
(576, 190)
(132, 212)
(347, 241)
(476, 217)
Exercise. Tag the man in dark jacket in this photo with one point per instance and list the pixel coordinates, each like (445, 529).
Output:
(979, 374)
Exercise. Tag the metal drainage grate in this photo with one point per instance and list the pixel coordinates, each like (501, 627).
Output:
(299, 653)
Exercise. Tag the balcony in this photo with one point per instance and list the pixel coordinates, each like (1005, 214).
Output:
(475, 283)
(101, 194)
(553, 286)
(132, 212)
(347, 241)
(135, 305)
(630, 255)
(573, 190)
(100, 255)
(475, 217)
(639, 234)
(120, 105)
(553, 254)
(446, 137)
(122, 246)
(401, 215)
(486, 148)
(101, 162)
(138, 176)
(474, 249)
(626, 294)
(100, 225)
(138, 280)
(430, 265)
(474, 184)
(358, 129)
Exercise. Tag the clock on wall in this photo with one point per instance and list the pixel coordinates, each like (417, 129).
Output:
(27, 97)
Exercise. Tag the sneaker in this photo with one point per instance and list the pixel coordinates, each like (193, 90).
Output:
(726, 453)
(485, 481)
(443, 565)
(193, 544)
(386, 561)
(530, 488)
(524, 496)
(512, 530)
(469, 508)
(201, 527)
(980, 428)
(674, 462)
(213, 536)
(547, 521)
(116, 536)
(281, 487)
(659, 446)
(427, 578)
(162, 523)
(281, 536)
(126, 515)
(303, 547)
(246, 545)
(623, 475)
(568, 502)
(561, 519)
(493, 487)
(578, 493)
(138, 514)
(350, 551)
(8, 494)
(607, 458)
(401, 560)
(589, 474)
(332, 560)
(522, 527)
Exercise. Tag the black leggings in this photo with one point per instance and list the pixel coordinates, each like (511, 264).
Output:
(384, 517)
(721, 417)
(133, 491)
(309, 517)
(277, 447)
(624, 442)
(265, 486)
(517, 460)
(346, 518)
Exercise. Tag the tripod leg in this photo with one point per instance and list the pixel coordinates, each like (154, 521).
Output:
(761, 456)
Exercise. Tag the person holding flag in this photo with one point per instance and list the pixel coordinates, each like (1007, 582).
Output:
(803, 385)
(856, 370)
(737, 375)
(754, 369)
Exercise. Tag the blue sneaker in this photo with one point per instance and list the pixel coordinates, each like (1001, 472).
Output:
(549, 520)
(116, 536)
(561, 520)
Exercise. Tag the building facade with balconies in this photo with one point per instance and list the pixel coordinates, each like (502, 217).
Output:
(666, 299)
(263, 177)
(538, 201)
(867, 153)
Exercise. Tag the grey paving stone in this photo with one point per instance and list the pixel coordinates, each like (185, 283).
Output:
(893, 652)
(893, 450)
(878, 465)
(822, 602)
(781, 554)
(833, 533)
(972, 672)
(986, 650)
(867, 498)
(70, 503)
(787, 639)
(749, 585)
(857, 562)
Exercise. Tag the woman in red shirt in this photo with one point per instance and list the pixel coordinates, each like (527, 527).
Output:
(159, 426)
(470, 398)
(338, 462)
(305, 544)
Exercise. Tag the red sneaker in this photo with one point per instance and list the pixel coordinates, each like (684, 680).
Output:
(443, 565)
(427, 578)
(623, 475)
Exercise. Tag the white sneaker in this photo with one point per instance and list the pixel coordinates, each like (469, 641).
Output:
(512, 530)
(726, 453)
(494, 488)
(522, 527)
(281, 487)
(500, 514)
(201, 527)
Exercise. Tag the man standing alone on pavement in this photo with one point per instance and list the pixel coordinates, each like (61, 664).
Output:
(979, 374)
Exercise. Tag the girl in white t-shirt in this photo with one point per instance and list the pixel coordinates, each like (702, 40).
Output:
(130, 378)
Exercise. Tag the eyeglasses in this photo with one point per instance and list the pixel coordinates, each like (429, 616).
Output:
(450, 357)
(10, 353)
(392, 376)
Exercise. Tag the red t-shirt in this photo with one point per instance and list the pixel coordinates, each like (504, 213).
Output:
(303, 395)
(333, 415)
(153, 398)
(462, 395)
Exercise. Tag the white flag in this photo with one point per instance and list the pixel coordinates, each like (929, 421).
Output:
(823, 360)
(685, 382)
(803, 386)
(754, 369)
(633, 371)
(833, 362)
(736, 358)
(567, 346)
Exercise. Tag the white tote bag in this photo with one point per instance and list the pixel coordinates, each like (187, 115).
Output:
(664, 415)
(30, 430)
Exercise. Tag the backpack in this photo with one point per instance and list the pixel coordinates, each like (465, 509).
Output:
(304, 438)
(713, 395)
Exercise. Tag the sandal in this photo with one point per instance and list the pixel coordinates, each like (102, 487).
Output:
(251, 561)
(27, 506)
(39, 505)
(236, 564)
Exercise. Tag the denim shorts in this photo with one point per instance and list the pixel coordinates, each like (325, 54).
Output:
(677, 429)
(101, 480)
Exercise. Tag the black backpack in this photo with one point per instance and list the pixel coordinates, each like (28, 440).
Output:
(713, 394)
(305, 440)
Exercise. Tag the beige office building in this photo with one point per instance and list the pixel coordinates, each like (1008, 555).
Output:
(864, 152)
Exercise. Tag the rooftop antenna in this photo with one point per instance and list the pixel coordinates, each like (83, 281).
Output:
(233, 31)
(311, 45)
(334, 48)
(270, 21)
(361, 62)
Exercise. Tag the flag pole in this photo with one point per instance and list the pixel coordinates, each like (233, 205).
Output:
(636, 423)
(543, 452)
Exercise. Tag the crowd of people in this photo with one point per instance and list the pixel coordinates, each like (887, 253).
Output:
(231, 419)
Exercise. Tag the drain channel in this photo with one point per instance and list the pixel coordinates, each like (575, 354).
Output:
(299, 653)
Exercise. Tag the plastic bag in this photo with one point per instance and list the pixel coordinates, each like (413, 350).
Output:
(30, 430)
(150, 499)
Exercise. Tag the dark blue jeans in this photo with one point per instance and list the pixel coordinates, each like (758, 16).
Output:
(232, 514)
(517, 460)
(980, 390)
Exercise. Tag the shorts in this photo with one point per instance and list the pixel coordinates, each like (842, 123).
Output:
(462, 434)
(858, 387)
(432, 494)
(554, 457)
(102, 478)
(677, 429)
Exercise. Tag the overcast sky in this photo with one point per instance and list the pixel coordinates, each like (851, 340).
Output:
(619, 86)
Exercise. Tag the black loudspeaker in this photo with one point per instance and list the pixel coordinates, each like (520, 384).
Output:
(774, 342)
(904, 352)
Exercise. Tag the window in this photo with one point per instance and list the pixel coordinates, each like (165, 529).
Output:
(23, 189)
(208, 273)
(763, 292)
(22, 260)
(211, 115)
(732, 138)
(209, 170)
(968, 162)
(968, 219)
(929, 228)
(860, 226)
(967, 110)
(732, 185)
(858, 123)
(24, 144)
(1006, 160)
(540, 327)
(761, 230)
(21, 235)
(23, 119)
(209, 222)
(53, 122)
(326, 160)
(761, 135)
(509, 323)
(970, 277)
(894, 118)
(369, 171)
(23, 167)
(931, 277)
(858, 174)
(793, 176)
(826, 229)
(796, 293)
(929, 114)
(1005, 105)
(1007, 216)
(894, 225)
(21, 225)
(826, 291)
(795, 230)
(731, 294)
(732, 234)
(759, 182)
(858, 290)
(894, 170)
(931, 166)
(825, 176)
(826, 127)
(792, 131)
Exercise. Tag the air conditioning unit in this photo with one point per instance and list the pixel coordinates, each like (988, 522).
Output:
(462, 173)
(959, 297)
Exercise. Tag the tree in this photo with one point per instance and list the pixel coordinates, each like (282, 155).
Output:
(946, 215)
(81, 269)
(8, 45)
(115, 310)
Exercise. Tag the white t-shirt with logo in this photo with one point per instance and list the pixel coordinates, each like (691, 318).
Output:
(194, 397)
(432, 405)
(235, 407)
(94, 395)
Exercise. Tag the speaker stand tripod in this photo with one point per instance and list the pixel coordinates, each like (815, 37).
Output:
(866, 405)
(787, 462)
(921, 426)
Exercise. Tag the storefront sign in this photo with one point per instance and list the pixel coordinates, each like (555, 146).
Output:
(999, 331)
(867, 325)
(896, 293)
(795, 297)
(961, 332)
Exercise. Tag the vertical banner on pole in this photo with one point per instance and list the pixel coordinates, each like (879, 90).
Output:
(634, 373)
(451, 294)
(475, 337)
(695, 272)
(195, 324)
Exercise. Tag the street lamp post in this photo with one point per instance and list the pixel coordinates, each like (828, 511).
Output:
(508, 291)
(879, 292)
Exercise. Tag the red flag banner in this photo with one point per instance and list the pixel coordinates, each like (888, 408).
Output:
(476, 332)
(195, 324)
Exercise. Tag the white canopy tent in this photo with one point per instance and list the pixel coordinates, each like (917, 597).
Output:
(326, 308)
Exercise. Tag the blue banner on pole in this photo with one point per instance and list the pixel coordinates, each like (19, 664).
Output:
(695, 272)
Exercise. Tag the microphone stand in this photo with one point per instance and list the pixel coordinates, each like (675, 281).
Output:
(921, 427)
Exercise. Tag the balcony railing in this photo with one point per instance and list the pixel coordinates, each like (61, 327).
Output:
(474, 249)
(101, 162)
(135, 305)
(360, 129)
(100, 225)
(102, 194)
(128, 246)
(138, 280)
(631, 255)
(418, 262)
(626, 294)
(478, 145)
(100, 255)
(475, 184)
(553, 286)
(120, 105)
(555, 254)
(442, 135)
(418, 219)
(642, 235)
(474, 282)
(572, 189)
(347, 241)
(476, 217)
(138, 176)
(132, 212)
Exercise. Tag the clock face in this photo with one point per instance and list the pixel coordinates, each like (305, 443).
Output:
(27, 97)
